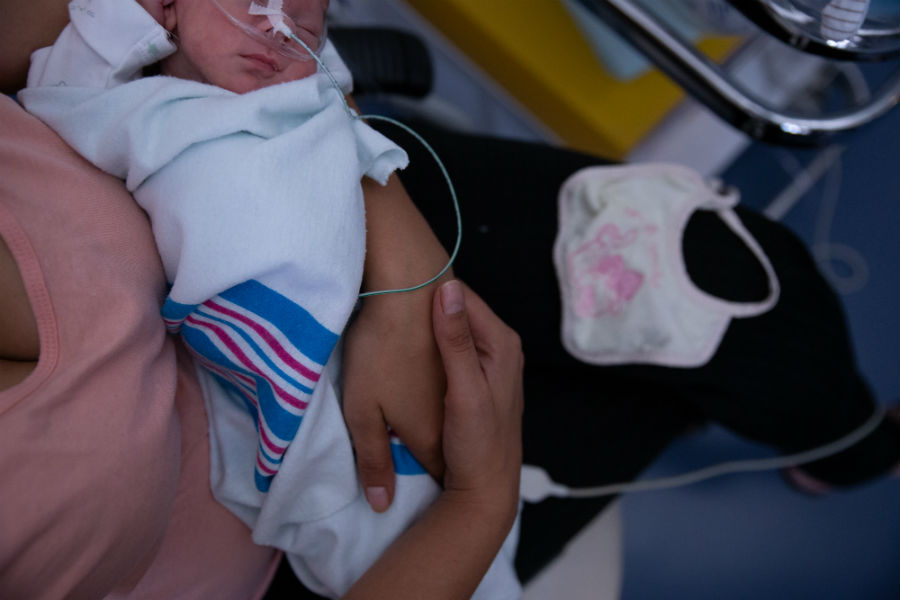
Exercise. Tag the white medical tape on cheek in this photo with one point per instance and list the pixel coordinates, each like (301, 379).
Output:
(273, 11)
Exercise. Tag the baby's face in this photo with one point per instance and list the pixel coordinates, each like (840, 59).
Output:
(211, 49)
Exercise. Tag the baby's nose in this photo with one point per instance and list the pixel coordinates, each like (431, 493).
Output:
(263, 23)
(275, 28)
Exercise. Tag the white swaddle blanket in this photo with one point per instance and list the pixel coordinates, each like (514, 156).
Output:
(255, 201)
(257, 211)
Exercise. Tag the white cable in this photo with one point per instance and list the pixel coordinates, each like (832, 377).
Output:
(802, 182)
(828, 164)
(827, 252)
(536, 484)
(352, 114)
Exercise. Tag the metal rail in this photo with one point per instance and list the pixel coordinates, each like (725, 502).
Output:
(879, 41)
(708, 83)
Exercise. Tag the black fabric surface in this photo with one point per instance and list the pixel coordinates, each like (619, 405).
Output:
(786, 378)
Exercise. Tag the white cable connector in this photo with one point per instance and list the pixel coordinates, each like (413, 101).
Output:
(535, 485)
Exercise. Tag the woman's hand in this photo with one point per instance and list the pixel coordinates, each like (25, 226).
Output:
(447, 551)
(392, 377)
(392, 369)
(483, 361)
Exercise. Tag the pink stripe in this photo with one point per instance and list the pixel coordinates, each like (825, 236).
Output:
(233, 375)
(249, 395)
(269, 339)
(278, 450)
(229, 343)
(263, 467)
(239, 379)
(272, 458)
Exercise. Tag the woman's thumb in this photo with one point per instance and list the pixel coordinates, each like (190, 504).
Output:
(454, 337)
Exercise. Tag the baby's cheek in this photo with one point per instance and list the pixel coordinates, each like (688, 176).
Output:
(299, 70)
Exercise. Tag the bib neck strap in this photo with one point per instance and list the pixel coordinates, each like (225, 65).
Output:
(723, 204)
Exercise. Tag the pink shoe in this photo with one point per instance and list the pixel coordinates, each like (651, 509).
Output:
(804, 482)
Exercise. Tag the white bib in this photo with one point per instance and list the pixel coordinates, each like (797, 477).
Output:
(626, 294)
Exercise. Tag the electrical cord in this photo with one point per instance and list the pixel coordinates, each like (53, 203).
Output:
(536, 484)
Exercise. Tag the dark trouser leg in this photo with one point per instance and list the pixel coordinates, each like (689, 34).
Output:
(786, 378)
(584, 426)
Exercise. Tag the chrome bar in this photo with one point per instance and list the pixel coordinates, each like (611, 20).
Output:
(876, 43)
(708, 83)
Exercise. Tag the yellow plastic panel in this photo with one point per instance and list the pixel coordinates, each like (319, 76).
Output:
(537, 53)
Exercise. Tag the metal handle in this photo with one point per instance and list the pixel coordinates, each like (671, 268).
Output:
(708, 83)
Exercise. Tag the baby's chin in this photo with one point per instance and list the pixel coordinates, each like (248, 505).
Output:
(250, 82)
(245, 85)
(246, 88)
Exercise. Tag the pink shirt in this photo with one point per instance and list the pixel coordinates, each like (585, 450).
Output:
(104, 456)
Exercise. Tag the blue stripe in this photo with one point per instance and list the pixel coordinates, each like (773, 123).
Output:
(260, 353)
(260, 480)
(198, 340)
(304, 331)
(281, 423)
(275, 460)
(404, 462)
(263, 482)
(237, 393)
(175, 311)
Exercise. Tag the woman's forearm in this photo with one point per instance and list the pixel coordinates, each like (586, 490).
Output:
(392, 339)
(401, 249)
(444, 555)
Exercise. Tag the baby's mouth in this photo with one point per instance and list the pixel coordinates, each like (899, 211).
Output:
(262, 61)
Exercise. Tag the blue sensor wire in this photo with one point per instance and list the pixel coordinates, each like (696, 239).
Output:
(354, 115)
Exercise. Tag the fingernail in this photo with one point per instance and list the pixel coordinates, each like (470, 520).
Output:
(451, 297)
(378, 498)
